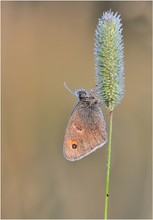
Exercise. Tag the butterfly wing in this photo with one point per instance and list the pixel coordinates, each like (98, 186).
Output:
(85, 132)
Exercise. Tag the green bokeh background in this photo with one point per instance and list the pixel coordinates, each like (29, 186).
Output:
(43, 45)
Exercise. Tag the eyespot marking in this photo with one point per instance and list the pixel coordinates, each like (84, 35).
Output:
(73, 144)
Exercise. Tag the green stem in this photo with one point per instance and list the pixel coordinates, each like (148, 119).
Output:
(108, 166)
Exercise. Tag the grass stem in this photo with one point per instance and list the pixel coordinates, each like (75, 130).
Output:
(108, 166)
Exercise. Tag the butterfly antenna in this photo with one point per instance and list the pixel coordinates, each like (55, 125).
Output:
(68, 89)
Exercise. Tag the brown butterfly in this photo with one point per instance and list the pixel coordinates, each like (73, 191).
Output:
(85, 131)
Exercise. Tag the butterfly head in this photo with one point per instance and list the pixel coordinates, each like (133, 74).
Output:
(81, 94)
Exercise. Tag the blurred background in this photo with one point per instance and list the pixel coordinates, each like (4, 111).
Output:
(43, 45)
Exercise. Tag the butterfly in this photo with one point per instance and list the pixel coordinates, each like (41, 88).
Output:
(86, 129)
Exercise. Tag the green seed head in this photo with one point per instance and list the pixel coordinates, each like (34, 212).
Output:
(108, 51)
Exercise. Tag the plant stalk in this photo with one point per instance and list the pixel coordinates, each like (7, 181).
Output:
(108, 166)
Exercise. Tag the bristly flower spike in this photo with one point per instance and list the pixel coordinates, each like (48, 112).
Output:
(108, 51)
